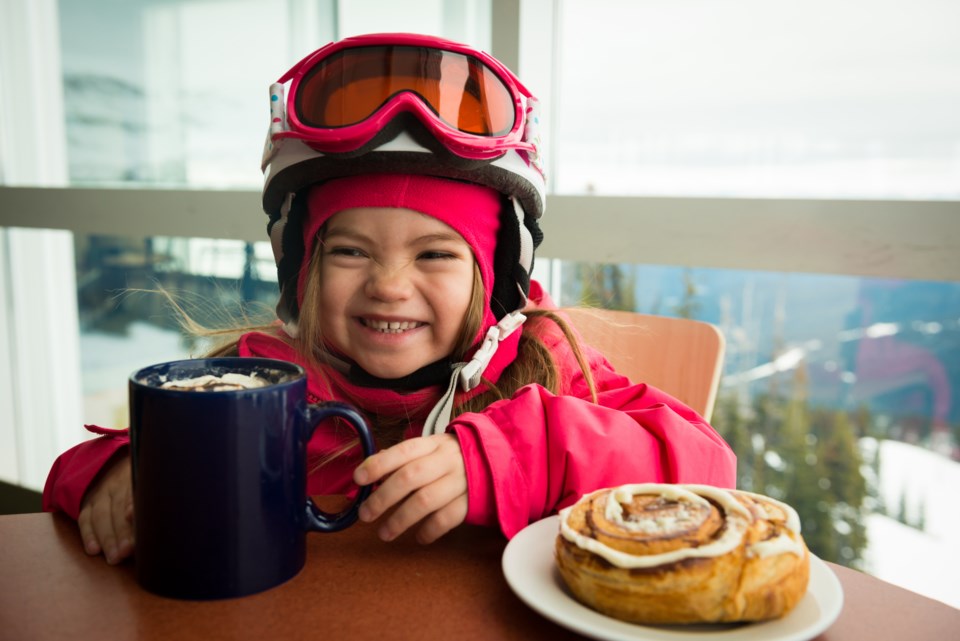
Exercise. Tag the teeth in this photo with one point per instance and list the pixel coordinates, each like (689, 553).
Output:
(390, 327)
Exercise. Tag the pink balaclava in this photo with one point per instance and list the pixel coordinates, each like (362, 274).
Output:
(471, 210)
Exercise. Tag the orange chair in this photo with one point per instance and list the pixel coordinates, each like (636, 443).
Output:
(680, 356)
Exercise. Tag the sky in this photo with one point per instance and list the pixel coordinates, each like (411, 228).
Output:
(760, 97)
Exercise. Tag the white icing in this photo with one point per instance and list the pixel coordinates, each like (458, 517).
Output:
(781, 544)
(209, 382)
(793, 519)
(737, 516)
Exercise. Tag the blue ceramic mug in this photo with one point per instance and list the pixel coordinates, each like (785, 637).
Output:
(219, 477)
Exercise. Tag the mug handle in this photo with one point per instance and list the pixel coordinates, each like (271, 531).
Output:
(317, 519)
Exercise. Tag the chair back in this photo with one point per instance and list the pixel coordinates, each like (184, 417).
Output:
(680, 356)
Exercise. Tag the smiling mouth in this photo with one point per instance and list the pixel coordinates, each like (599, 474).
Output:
(390, 327)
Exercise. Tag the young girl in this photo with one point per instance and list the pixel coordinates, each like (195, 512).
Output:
(404, 188)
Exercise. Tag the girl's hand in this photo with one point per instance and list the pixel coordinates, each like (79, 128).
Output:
(106, 513)
(425, 479)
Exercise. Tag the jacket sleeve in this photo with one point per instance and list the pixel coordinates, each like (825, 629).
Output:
(75, 470)
(531, 455)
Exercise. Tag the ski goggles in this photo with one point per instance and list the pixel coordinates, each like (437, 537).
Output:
(344, 94)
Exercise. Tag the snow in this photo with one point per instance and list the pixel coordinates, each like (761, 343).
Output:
(928, 561)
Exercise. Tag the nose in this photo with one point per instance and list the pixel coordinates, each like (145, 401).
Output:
(388, 283)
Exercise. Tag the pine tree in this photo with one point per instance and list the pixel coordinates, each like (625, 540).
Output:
(606, 286)
(729, 421)
(848, 488)
(688, 306)
(805, 479)
(765, 427)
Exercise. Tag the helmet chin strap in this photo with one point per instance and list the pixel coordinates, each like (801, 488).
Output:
(291, 329)
(468, 374)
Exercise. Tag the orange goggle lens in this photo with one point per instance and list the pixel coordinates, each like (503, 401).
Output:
(351, 85)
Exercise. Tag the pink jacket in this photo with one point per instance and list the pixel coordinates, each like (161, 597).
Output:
(526, 457)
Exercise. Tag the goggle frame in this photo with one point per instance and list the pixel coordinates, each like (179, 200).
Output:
(285, 122)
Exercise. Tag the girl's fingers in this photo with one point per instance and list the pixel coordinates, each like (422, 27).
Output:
(422, 480)
(101, 521)
(106, 516)
(428, 504)
(91, 544)
(122, 526)
(381, 464)
(400, 484)
(443, 520)
(109, 532)
(410, 468)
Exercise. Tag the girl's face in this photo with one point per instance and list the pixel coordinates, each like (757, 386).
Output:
(395, 286)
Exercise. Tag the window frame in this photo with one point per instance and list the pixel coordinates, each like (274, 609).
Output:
(873, 238)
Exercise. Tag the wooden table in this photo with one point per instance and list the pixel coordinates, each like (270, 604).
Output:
(353, 587)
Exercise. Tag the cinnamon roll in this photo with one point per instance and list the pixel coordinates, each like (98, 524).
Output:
(668, 554)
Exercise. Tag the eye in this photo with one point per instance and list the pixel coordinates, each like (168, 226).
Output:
(436, 255)
(344, 251)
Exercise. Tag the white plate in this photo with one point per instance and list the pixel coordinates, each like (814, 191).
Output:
(529, 568)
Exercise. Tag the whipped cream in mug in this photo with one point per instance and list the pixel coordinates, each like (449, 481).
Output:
(211, 383)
